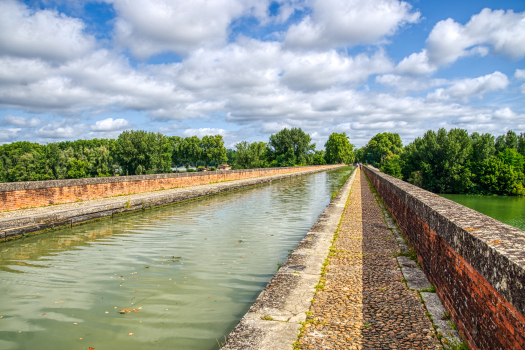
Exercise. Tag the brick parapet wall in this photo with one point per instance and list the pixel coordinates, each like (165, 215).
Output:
(476, 263)
(15, 195)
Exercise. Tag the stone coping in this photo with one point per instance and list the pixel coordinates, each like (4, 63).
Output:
(32, 185)
(496, 250)
(40, 219)
(273, 321)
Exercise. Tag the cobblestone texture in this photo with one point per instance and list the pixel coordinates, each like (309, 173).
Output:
(364, 303)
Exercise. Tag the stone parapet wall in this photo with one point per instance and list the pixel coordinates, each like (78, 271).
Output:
(16, 195)
(476, 263)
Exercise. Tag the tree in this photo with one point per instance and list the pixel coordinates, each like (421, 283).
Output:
(191, 150)
(381, 146)
(391, 165)
(212, 149)
(290, 147)
(250, 155)
(339, 149)
(141, 152)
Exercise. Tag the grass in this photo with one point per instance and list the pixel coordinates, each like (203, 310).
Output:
(432, 289)
(279, 265)
(267, 318)
(128, 204)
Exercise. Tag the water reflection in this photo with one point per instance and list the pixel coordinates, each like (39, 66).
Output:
(186, 273)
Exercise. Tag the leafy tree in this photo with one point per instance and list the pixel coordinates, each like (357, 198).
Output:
(391, 165)
(510, 140)
(319, 158)
(339, 149)
(212, 149)
(511, 157)
(250, 155)
(482, 147)
(381, 146)
(497, 177)
(191, 150)
(289, 147)
(141, 152)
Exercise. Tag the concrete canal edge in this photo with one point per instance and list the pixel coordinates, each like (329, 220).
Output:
(274, 319)
(57, 217)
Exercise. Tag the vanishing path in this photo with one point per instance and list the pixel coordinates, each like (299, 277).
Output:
(365, 303)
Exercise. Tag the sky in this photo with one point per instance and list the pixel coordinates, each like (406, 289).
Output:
(83, 69)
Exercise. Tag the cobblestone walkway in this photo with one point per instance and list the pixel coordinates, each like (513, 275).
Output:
(364, 303)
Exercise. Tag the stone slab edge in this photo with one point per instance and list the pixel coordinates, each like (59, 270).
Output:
(274, 319)
(22, 225)
(496, 250)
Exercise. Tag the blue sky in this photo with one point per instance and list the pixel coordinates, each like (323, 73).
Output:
(246, 69)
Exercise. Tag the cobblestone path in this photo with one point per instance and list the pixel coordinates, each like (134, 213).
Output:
(364, 303)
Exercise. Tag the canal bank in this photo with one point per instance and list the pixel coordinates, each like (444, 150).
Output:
(186, 272)
(18, 223)
(275, 318)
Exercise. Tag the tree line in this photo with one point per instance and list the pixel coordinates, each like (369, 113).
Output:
(452, 161)
(142, 152)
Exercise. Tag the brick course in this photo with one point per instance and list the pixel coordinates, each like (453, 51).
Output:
(476, 263)
(17, 195)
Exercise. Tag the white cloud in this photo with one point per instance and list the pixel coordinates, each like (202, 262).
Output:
(499, 31)
(110, 125)
(60, 131)
(22, 122)
(317, 71)
(520, 74)
(406, 83)
(349, 22)
(416, 63)
(200, 132)
(9, 135)
(43, 33)
(466, 88)
(149, 27)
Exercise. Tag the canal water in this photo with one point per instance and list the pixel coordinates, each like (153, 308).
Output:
(510, 210)
(177, 277)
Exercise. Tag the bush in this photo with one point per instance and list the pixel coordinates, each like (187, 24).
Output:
(190, 170)
(212, 169)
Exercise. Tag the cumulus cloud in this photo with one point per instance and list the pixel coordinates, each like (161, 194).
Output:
(42, 33)
(520, 74)
(60, 131)
(148, 27)
(406, 83)
(316, 71)
(467, 88)
(349, 22)
(9, 135)
(200, 132)
(503, 32)
(110, 125)
(21, 122)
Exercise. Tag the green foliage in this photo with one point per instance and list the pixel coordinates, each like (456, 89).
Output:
(250, 155)
(454, 162)
(382, 146)
(391, 165)
(142, 152)
(339, 149)
(290, 147)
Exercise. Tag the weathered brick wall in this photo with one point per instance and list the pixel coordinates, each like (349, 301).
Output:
(15, 195)
(476, 263)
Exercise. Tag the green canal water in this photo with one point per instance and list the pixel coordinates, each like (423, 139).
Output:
(182, 275)
(510, 210)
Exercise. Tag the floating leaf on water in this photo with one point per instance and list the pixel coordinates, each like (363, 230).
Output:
(130, 334)
(240, 241)
(90, 348)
